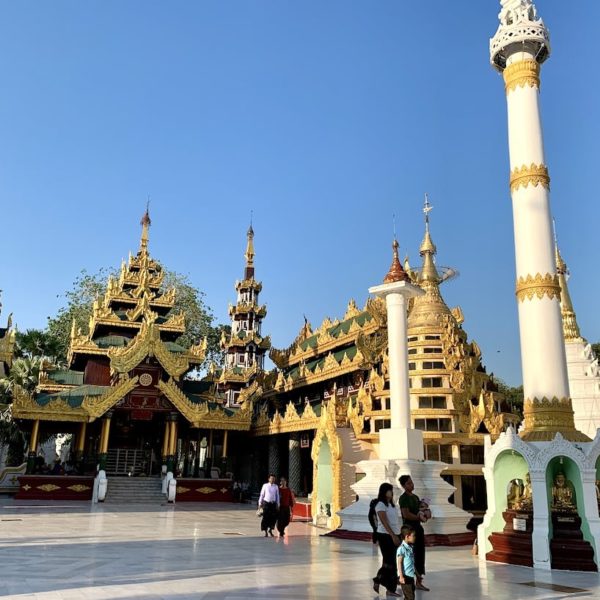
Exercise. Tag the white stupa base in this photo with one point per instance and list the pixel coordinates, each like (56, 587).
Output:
(401, 442)
(447, 519)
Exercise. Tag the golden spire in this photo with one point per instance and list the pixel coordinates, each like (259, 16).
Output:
(396, 272)
(428, 249)
(250, 247)
(145, 223)
(569, 318)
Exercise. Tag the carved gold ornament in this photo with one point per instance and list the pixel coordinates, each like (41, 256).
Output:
(200, 415)
(538, 286)
(48, 487)
(145, 379)
(520, 74)
(532, 174)
(182, 490)
(79, 487)
(544, 418)
(206, 490)
(148, 343)
(291, 421)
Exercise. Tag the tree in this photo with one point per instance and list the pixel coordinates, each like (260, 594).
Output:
(36, 342)
(596, 349)
(514, 395)
(87, 287)
(24, 372)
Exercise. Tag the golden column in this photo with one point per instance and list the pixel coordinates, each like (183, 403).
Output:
(104, 435)
(166, 441)
(33, 442)
(225, 436)
(171, 436)
(80, 447)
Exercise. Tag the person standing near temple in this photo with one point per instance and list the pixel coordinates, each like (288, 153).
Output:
(409, 506)
(269, 501)
(286, 505)
(388, 536)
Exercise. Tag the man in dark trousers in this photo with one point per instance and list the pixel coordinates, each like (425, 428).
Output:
(409, 506)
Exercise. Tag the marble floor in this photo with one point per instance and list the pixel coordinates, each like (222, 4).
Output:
(215, 552)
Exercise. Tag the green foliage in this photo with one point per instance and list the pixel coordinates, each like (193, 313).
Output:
(11, 436)
(596, 349)
(514, 395)
(24, 373)
(79, 300)
(37, 343)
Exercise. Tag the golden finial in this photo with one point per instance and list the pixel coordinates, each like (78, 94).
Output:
(396, 272)
(569, 318)
(250, 246)
(145, 223)
(427, 245)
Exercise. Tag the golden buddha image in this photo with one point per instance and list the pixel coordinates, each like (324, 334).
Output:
(563, 494)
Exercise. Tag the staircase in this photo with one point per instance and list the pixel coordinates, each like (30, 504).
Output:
(134, 490)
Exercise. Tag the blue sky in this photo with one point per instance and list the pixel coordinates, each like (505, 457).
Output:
(324, 118)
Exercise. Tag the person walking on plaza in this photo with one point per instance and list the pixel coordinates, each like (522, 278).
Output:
(406, 563)
(269, 502)
(286, 505)
(409, 505)
(388, 536)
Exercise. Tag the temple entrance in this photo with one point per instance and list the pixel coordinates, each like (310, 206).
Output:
(135, 444)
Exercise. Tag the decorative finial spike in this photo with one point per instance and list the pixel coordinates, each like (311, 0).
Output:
(145, 223)
(396, 272)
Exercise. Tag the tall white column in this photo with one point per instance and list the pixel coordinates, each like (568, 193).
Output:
(520, 45)
(398, 360)
(400, 440)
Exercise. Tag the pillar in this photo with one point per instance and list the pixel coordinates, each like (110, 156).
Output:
(274, 464)
(33, 443)
(225, 440)
(172, 445)
(399, 441)
(518, 49)
(398, 361)
(79, 453)
(104, 435)
(294, 463)
(166, 439)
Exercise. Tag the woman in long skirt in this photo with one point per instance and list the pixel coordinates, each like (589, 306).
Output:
(388, 536)
(286, 504)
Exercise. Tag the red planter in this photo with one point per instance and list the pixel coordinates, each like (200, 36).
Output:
(54, 487)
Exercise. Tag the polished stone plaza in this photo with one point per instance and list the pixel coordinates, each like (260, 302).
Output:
(215, 551)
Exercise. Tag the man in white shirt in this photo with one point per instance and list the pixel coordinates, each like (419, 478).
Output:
(269, 502)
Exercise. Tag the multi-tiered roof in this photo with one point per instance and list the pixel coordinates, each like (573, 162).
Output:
(130, 348)
(244, 347)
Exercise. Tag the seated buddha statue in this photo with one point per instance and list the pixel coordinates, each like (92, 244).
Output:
(526, 502)
(563, 495)
(515, 493)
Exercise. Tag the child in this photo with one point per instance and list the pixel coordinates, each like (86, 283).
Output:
(424, 513)
(406, 563)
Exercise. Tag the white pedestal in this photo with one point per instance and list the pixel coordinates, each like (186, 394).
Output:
(397, 442)
(446, 518)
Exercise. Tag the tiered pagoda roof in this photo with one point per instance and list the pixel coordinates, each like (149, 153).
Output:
(134, 322)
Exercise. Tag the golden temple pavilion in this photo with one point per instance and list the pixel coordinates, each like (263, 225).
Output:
(129, 395)
(135, 404)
